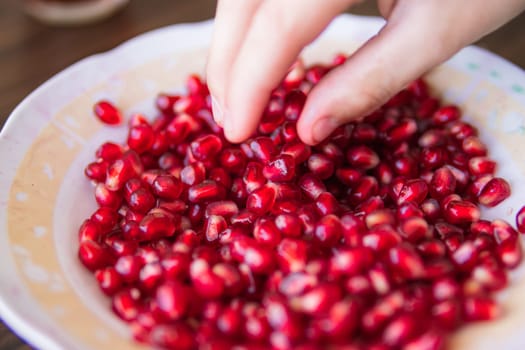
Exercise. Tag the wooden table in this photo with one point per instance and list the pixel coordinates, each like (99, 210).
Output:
(31, 53)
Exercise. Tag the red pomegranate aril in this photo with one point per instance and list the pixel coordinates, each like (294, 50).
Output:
(362, 157)
(298, 150)
(321, 166)
(491, 278)
(465, 256)
(289, 225)
(502, 231)
(93, 255)
(193, 174)
(141, 138)
(90, 230)
(401, 330)
(473, 146)
(260, 259)
(292, 255)
(412, 191)
(109, 151)
(263, 148)
(380, 239)
(109, 280)
(311, 185)
(96, 171)
(365, 188)
(351, 261)
(173, 336)
(374, 318)
(481, 166)
(253, 177)
(206, 191)
(378, 217)
(129, 267)
(509, 252)
(405, 261)
(141, 201)
(461, 212)
(432, 249)
(443, 183)
(317, 300)
(206, 147)
(266, 232)
(123, 169)
(205, 282)
(158, 225)
(261, 200)
(127, 304)
(480, 309)
(233, 160)
(220, 176)
(213, 226)
(446, 114)
(167, 187)
(329, 230)
(107, 198)
(520, 220)
(414, 229)
(281, 168)
(447, 314)
(173, 299)
(107, 113)
(494, 192)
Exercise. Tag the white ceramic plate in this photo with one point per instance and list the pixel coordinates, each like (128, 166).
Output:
(53, 303)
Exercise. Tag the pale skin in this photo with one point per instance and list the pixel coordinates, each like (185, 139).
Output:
(256, 41)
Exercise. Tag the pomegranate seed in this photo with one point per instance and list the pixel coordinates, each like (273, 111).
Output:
(480, 309)
(173, 336)
(96, 171)
(281, 168)
(261, 200)
(405, 261)
(412, 191)
(460, 212)
(107, 113)
(362, 157)
(400, 330)
(206, 147)
(321, 166)
(167, 187)
(520, 220)
(445, 114)
(90, 230)
(317, 300)
(494, 192)
(109, 280)
(93, 255)
(126, 303)
(207, 190)
(141, 138)
(141, 200)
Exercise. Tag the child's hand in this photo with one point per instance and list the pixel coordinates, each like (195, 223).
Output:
(256, 41)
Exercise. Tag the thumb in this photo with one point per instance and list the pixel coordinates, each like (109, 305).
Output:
(379, 69)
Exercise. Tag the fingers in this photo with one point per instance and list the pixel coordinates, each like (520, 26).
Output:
(278, 32)
(418, 36)
(379, 69)
(232, 20)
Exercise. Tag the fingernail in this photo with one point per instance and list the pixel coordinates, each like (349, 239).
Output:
(216, 110)
(322, 128)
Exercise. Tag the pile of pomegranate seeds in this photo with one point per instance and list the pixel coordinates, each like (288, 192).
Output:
(371, 240)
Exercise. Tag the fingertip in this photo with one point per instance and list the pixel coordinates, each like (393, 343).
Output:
(217, 111)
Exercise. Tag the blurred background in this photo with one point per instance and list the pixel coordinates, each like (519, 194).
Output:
(32, 51)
